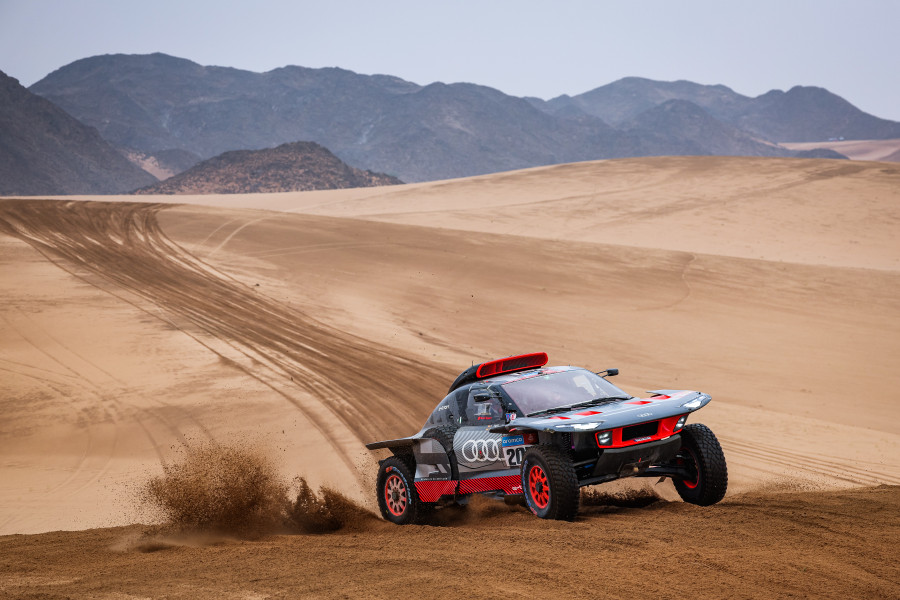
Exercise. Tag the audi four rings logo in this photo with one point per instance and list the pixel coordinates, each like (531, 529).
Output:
(481, 450)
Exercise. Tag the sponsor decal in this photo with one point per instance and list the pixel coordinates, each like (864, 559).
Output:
(481, 450)
(513, 440)
(645, 415)
(510, 416)
(514, 456)
(643, 439)
(514, 447)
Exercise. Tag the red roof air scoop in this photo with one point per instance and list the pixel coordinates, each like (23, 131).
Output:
(512, 363)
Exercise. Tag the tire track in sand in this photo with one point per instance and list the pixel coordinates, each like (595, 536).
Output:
(106, 391)
(346, 383)
(774, 460)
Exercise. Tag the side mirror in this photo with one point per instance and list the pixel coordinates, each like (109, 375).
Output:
(482, 397)
(608, 373)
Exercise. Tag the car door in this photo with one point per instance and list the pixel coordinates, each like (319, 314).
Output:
(477, 450)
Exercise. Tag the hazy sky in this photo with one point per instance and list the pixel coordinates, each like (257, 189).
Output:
(521, 47)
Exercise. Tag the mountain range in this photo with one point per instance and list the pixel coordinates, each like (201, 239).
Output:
(167, 113)
(802, 114)
(157, 102)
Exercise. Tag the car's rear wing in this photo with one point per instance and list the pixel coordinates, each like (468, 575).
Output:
(401, 443)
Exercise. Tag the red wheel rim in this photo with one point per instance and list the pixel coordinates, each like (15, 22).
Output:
(539, 487)
(691, 483)
(395, 495)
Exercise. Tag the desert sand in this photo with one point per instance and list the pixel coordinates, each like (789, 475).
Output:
(885, 150)
(310, 323)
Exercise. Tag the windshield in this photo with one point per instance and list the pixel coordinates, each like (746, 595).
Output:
(555, 389)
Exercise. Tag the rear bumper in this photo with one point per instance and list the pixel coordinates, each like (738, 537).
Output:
(621, 462)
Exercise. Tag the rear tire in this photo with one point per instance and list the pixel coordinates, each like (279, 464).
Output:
(549, 483)
(702, 455)
(397, 496)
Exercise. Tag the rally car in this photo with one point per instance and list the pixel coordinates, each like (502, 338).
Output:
(517, 429)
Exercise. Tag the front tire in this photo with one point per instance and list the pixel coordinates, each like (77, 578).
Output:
(549, 483)
(397, 496)
(701, 455)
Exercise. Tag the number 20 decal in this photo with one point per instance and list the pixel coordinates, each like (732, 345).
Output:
(515, 455)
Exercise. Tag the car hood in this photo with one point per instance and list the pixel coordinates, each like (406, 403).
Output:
(659, 405)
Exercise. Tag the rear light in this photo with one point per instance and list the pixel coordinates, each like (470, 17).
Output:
(604, 438)
(680, 424)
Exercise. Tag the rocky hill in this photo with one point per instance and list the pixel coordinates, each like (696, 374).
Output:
(43, 150)
(299, 166)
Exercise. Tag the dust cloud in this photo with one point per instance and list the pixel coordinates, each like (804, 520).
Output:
(213, 490)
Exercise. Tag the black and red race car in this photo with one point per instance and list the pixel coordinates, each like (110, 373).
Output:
(517, 429)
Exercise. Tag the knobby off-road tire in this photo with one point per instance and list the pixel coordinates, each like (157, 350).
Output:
(444, 435)
(702, 455)
(549, 483)
(397, 496)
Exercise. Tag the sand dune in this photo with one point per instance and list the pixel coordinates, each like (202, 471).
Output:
(311, 323)
(821, 212)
